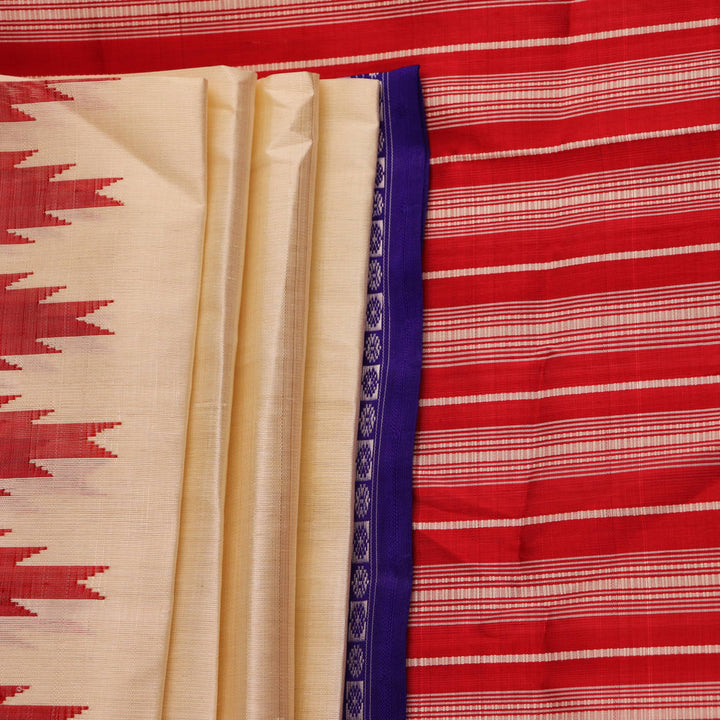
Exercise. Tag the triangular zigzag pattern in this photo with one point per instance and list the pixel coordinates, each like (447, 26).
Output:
(55, 582)
(21, 92)
(30, 194)
(23, 441)
(25, 318)
(28, 198)
(33, 712)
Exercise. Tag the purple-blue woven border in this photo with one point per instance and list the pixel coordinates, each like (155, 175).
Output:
(381, 572)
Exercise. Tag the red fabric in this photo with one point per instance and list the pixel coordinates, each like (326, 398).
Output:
(31, 197)
(568, 424)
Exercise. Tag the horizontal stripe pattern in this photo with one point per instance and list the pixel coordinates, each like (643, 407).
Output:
(683, 317)
(456, 101)
(566, 461)
(619, 702)
(564, 656)
(574, 145)
(572, 261)
(575, 200)
(133, 19)
(528, 453)
(571, 390)
(480, 487)
(161, 20)
(601, 513)
(655, 583)
(408, 52)
(428, 576)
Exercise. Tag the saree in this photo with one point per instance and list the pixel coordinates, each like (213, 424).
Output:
(565, 491)
(195, 630)
(259, 563)
(200, 417)
(287, 529)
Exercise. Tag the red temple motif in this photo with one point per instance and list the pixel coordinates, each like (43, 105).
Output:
(23, 441)
(33, 712)
(20, 92)
(25, 318)
(26, 582)
(29, 195)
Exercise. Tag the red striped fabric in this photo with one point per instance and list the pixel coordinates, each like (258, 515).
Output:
(566, 469)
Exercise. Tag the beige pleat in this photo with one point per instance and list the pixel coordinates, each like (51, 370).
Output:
(347, 156)
(145, 256)
(192, 674)
(258, 594)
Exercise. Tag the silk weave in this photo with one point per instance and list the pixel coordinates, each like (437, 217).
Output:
(344, 189)
(565, 491)
(100, 310)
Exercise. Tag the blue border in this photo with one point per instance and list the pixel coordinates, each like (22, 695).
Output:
(381, 569)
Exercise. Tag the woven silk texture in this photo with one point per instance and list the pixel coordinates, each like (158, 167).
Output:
(381, 552)
(565, 476)
(101, 218)
(292, 161)
(346, 169)
(194, 640)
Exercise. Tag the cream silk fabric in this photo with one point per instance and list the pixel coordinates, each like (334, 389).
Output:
(228, 359)
(347, 152)
(191, 690)
(122, 513)
(258, 595)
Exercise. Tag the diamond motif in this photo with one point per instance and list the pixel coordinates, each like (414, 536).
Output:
(370, 382)
(374, 275)
(356, 661)
(373, 346)
(367, 420)
(354, 701)
(376, 237)
(373, 312)
(380, 173)
(358, 621)
(362, 500)
(364, 459)
(378, 204)
(361, 542)
(360, 581)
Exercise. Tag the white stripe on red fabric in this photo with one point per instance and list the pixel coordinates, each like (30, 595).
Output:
(567, 655)
(575, 145)
(454, 101)
(567, 516)
(575, 390)
(471, 47)
(570, 262)
(623, 701)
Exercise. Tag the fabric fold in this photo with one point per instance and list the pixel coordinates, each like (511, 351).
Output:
(260, 612)
(192, 675)
(347, 154)
(258, 594)
(566, 491)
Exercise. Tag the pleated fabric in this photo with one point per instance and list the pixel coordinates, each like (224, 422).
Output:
(292, 454)
(338, 281)
(257, 667)
(102, 239)
(192, 674)
(566, 494)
